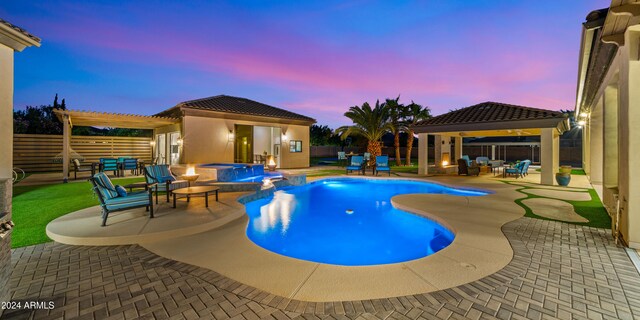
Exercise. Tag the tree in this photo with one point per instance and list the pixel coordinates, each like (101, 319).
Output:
(414, 113)
(396, 111)
(320, 135)
(370, 123)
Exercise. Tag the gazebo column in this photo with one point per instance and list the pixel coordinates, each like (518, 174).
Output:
(423, 153)
(66, 146)
(549, 155)
(437, 150)
(458, 150)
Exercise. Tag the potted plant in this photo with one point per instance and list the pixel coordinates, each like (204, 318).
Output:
(563, 178)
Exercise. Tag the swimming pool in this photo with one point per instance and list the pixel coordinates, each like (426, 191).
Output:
(348, 221)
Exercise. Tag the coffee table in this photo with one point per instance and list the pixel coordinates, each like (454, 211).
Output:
(198, 190)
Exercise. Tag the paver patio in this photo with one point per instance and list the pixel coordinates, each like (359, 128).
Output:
(559, 270)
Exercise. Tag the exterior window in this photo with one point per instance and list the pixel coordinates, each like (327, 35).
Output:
(295, 146)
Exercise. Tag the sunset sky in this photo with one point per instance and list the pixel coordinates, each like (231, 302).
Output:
(317, 58)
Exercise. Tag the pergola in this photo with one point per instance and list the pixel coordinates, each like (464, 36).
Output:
(69, 118)
(494, 119)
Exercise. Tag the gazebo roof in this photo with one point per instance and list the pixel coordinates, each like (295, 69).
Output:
(114, 120)
(494, 116)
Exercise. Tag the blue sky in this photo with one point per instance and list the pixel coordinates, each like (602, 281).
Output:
(317, 58)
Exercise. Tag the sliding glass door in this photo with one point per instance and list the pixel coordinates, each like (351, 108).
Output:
(243, 151)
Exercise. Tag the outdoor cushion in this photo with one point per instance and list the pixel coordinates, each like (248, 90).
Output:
(131, 200)
(466, 158)
(122, 192)
(105, 187)
(483, 161)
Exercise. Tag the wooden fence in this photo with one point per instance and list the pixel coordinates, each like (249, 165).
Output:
(38, 152)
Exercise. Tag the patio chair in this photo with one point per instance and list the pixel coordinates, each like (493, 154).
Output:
(518, 169)
(77, 167)
(525, 168)
(357, 164)
(111, 200)
(164, 180)
(464, 169)
(342, 157)
(382, 164)
(130, 164)
(466, 158)
(109, 164)
(483, 161)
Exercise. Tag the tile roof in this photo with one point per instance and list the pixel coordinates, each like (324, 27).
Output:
(21, 30)
(491, 112)
(229, 104)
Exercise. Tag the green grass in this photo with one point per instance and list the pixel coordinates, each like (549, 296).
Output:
(577, 172)
(592, 210)
(325, 172)
(35, 206)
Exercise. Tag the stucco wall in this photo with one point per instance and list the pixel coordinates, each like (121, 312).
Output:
(6, 111)
(206, 140)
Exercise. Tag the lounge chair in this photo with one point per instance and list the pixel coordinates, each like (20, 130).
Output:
(109, 164)
(77, 167)
(164, 180)
(525, 168)
(464, 169)
(111, 200)
(382, 164)
(357, 164)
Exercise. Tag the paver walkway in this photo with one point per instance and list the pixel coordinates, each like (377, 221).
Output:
(558, 271)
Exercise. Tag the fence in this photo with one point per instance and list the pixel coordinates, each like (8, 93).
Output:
(37, 152)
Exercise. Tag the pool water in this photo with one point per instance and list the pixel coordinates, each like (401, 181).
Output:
(348, 221)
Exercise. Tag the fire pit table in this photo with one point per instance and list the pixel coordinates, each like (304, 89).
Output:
(199, 190)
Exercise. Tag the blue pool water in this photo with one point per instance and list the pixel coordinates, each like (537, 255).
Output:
(348, 222)
(260, 178)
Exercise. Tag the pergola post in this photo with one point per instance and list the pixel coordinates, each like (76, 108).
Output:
(549, 155)
(66, 146)
(423, 153)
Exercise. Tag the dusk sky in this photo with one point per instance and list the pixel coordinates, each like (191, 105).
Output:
(316, 58)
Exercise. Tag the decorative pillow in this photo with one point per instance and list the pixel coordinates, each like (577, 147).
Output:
(122, 192)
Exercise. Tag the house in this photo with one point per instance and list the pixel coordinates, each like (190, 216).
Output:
(226, 129)
(608, 108)
(12, 39)
(218, 129)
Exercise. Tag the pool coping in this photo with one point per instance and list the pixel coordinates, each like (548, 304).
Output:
(479, 250)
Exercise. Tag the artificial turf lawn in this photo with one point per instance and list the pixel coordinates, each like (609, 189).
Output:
(592, 210)
(35, 206)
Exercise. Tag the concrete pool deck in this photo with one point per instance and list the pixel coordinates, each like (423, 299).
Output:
(218, 241)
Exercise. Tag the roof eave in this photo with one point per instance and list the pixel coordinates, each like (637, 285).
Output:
(15, 39)
(189, 111)
(562, 124)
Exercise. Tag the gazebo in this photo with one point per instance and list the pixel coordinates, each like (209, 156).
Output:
(493, 119)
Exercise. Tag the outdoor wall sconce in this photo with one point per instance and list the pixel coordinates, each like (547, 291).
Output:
(231, 136)
(180, 141)
(285, 137)
(581, 123)
(152, 143)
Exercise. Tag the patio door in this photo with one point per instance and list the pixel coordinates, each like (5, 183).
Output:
(160, 155)
(174, 147)
(243, 149)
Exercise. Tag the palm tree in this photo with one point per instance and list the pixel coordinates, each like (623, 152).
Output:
(396, 111)
(370, 123)
(414, 113)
